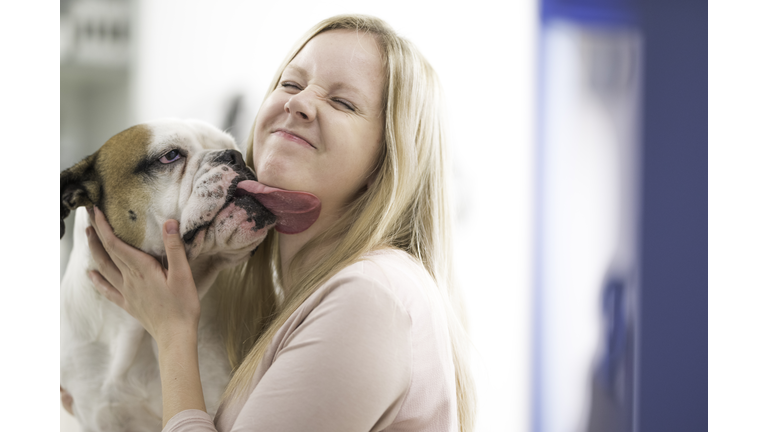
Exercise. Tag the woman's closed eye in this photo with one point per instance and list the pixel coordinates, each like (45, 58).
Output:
(345, 104)
(290, 85)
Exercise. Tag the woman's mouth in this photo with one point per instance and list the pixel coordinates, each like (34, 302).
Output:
(290, 136)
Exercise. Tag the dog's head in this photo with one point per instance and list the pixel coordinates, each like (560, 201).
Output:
(184, 170)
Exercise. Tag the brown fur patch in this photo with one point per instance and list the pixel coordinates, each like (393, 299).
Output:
(124, 189)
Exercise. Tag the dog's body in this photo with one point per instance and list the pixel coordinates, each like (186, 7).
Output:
(170, 169)
(109, 362)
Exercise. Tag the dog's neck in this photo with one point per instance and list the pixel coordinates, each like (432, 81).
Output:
(204, 271)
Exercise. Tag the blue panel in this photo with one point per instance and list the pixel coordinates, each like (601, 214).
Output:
(674, 321)
(595, 12)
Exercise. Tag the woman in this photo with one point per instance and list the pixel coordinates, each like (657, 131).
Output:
(360, 327)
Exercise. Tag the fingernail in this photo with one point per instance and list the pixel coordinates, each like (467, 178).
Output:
(172, 227)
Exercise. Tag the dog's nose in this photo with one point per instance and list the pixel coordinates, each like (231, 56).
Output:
(232, 158)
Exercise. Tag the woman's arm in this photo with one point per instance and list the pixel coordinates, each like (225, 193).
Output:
(164, 301)
(180, 376)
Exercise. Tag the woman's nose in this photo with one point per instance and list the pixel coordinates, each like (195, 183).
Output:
(300, 106)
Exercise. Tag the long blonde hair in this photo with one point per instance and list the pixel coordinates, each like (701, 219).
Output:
(406, 207)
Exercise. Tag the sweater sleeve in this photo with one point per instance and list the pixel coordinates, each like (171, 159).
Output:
(346, 367)
(190, 420)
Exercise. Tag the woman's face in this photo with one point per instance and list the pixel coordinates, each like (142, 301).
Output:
(320, 130)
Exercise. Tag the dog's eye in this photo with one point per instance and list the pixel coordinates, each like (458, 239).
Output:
(171, 156)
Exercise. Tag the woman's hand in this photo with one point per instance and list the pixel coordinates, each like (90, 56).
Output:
(164, 301)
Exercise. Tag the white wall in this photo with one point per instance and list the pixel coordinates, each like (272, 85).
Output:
(191, 57)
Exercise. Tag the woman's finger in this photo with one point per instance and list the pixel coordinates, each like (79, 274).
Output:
(107, 290)
(100, 229)
(178, 265)
(107, 267)
(124, 255)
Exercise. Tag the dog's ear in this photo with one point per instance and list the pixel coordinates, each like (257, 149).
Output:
(80, 186)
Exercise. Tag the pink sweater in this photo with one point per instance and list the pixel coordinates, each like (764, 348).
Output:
(368, 351)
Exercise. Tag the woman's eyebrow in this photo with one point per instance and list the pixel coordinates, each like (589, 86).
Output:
(300, 70)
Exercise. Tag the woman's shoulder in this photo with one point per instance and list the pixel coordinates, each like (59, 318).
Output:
(391, 273)
(389, 268)
(385, 263)
(365, 298)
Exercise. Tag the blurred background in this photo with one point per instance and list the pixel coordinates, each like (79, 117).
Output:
(577, 127)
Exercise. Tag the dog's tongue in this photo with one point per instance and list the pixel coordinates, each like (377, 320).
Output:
(295, 211)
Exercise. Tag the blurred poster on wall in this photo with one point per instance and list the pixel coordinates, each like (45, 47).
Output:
(587, 196)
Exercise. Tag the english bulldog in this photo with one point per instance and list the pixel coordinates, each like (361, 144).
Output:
(169, 169)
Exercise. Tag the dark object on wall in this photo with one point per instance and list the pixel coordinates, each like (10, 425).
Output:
(612, 387)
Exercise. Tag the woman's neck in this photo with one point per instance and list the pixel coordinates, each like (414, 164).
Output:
(290, 244)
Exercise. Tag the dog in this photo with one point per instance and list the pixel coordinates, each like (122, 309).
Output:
(167, 169)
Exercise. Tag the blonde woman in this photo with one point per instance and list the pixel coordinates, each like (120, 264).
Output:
(353, 324)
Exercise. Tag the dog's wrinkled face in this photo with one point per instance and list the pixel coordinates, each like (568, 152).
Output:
(172, 169)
